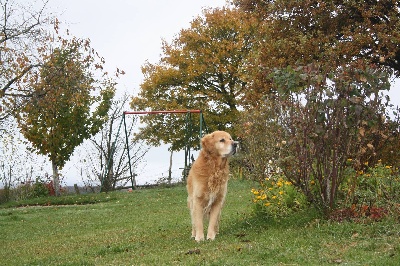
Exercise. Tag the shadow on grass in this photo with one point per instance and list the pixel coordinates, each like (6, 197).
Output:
(245, 225)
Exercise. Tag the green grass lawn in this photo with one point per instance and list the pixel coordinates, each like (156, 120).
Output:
(152, 227)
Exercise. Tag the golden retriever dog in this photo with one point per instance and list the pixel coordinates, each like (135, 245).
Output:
(208, 181)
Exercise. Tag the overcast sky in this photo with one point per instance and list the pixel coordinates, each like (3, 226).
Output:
(127, 33)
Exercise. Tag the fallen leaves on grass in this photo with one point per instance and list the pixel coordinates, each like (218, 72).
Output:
(193, 251)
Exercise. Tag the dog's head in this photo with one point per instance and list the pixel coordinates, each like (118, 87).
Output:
(219, 143)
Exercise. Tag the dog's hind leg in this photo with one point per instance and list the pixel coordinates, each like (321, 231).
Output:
(190, 206)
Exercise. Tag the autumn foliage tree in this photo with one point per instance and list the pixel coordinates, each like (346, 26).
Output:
(202, 68)
(338, 32)
(325, 63)
(69, 102)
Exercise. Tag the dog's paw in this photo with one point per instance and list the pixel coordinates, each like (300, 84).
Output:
(199, 238)
(210, 236)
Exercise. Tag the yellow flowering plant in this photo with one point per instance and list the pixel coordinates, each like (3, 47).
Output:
(277, 197)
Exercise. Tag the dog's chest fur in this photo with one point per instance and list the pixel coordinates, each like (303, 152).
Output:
(219, 175)
(217, 180)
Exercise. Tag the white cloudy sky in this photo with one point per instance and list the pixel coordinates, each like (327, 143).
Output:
(128, 32)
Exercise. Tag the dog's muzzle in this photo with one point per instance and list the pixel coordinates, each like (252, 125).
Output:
(234, 147)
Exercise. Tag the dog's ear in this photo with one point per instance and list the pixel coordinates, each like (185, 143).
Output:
(206, 141)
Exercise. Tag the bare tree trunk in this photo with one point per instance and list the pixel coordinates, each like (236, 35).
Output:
(170, 168)
(56, 179)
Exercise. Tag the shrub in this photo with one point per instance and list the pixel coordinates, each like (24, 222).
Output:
(330, 116)
(262, 139)
(378, 185)
(22, 191)
(4, 195)
(369, 193)
(28, 190)
(40, 188)
(277, 197)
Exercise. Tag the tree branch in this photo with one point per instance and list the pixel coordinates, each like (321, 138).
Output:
(18, 77)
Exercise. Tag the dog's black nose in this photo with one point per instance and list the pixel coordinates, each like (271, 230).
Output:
(234, 147)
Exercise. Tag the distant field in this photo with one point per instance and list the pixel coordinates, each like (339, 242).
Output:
(152, 227)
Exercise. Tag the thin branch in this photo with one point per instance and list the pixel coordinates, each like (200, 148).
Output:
(18, 77)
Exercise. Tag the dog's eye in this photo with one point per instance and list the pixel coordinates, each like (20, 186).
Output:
(222, 140)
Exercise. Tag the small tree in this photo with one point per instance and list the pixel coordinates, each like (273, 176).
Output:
(109, 163)
(313, 124)
(60, 115)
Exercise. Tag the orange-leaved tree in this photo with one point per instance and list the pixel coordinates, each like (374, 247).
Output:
(202, 68)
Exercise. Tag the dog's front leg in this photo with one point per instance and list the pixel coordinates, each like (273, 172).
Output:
(213, 224)
(197, 220)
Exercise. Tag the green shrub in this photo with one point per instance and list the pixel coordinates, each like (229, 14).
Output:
(378, 185)
(370, 193)
(4, 195)
(26, 191)
(40, 188)
(277, 197)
